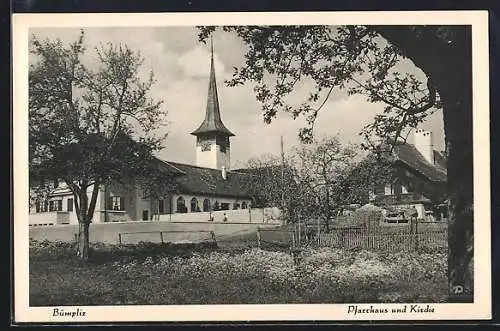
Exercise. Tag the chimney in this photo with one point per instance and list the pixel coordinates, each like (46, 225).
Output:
(423, 143)
(224, 172)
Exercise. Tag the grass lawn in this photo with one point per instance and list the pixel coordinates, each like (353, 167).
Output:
(162, 275)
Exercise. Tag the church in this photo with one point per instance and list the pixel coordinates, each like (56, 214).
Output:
(205, 190)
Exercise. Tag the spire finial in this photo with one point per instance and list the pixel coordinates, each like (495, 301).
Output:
(212, 47)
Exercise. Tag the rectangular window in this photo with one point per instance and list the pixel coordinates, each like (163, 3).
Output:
(397, 189)
(224, 206)
(379, 189)
(161, 206)
(116, 203)
(37, 207)
(145, 194)
(55, 205)
(145, 215)
(70, 204)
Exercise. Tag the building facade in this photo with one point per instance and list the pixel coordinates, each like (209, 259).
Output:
(418, 181)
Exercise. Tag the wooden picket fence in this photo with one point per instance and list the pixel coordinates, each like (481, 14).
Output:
(376, 238)
(351, 238)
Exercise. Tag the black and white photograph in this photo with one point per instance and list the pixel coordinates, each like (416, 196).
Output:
(241, 166)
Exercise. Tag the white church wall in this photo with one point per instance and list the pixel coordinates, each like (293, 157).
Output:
(251, 215)
(206, 159)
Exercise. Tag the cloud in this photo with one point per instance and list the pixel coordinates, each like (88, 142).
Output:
(181, 65)
(196, 63)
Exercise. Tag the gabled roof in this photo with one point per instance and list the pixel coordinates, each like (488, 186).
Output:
(212, 122)
(208, 181)
(409, 155)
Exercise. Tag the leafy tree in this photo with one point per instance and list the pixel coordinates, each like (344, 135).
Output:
(273, 182)
(323, 166)
(90, 126)
(365, 59)
(315, 181)
(364, 176)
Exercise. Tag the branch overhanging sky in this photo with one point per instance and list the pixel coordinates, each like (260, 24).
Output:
(181, 66)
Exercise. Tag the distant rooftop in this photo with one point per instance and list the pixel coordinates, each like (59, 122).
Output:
(408, 154)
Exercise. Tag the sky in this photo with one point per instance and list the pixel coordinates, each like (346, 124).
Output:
(181, 65)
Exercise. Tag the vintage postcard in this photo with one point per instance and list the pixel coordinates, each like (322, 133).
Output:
(324, 166)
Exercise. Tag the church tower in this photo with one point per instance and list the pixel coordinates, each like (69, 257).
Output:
(212, 137)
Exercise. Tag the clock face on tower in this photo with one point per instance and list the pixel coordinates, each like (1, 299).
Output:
(205, 145)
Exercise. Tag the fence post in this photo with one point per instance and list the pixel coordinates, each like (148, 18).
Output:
(416, 233)
(319, 232)
(212, 233)
(299, 241)
(161, 237)
(119, 238)
(258, 237)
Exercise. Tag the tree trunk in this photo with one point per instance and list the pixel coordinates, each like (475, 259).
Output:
(455, 89)
(449, 66)
(458, 130)
(83, 240)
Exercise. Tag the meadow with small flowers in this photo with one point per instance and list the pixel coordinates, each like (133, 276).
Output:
(151, 274)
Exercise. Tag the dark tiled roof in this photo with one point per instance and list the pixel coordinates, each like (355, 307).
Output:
(410, 156)
(166, 167)
(209, 181)
(212, 122)
(440, 160)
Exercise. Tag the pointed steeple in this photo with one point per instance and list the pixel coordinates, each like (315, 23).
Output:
(212, 122)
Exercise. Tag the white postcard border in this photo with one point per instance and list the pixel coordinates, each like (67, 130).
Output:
(480, 309)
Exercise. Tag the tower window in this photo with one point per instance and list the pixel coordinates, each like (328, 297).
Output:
(223, 143)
